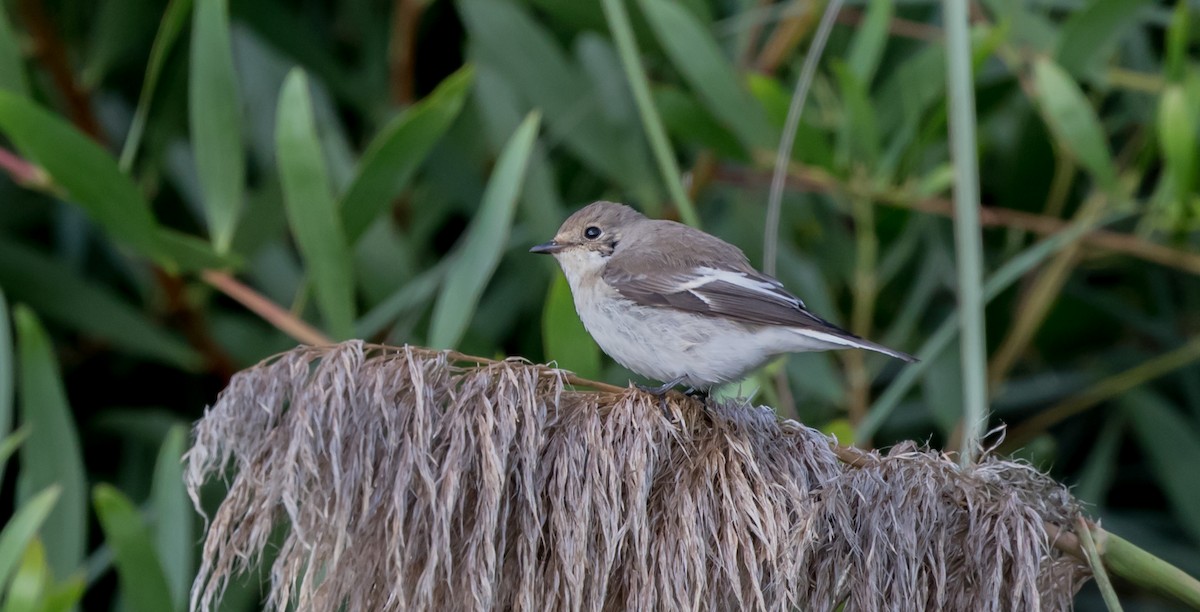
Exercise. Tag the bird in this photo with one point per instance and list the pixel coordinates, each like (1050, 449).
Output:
(677, 305)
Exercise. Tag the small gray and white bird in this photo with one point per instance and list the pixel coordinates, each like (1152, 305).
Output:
(675, 304)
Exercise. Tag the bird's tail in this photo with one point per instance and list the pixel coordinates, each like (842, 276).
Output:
(841, 338)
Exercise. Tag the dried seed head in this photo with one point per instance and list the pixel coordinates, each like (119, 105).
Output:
(403, 480)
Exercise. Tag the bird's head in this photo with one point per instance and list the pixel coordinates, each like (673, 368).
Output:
(590, 236)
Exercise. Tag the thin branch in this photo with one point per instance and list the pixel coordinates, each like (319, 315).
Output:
(52, 53)
(815, 179)
(270, 312)
(1106, 389)
(402, 50)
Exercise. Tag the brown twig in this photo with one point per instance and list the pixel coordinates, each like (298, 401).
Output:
(808, 178)
(1106, 389)
(402, 50)
(785, 37)
(51, 52)
(194, 326)
(903, 28)
(283, 320)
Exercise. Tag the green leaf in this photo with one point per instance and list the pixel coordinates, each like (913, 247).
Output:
(564, 338)
(859, 140)
(143, 586)
(1172, 446)
(1177, 133)
(88, 307)
(9, 445)
(395, 154)
(65, 596)
(191, 254)
(1091, 33)
(51, 456)
(28, 587)
(870, 40)
(505, 36)
(174, 531)
(414, 294)
(1175, 60)
(694, 51)
(172, 23)
(7, 368)
(215, 120)
(1100, 468)
(478, 252)
(12, 72)
(1073, 121)
(310, 206)
(85, 171)
(21, 529)
(689, 122)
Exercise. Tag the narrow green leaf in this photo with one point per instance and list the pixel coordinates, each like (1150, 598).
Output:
(1172, 446)
(88, 307)
(395, 154)
(689, 122)
(215, 119)
(172, 23)
(694, 51)
(1073, 121)
(21, 529)
(563, 335)
(143, 586)
(1177, 133)
(310, 206)
(12, 72)
(9, 446)
(870, 40)
(1100, 467)
(191, 254)
(1175, 60)
(7, 369)
(859, 139)
(51, 456)
(505, 36)
(1090, 35)
(174, 531)
(85, 171)
(65, 595)
(414, 294)
(478, 252)
(29, 585)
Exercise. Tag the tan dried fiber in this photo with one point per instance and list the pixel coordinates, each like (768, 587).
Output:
(398, 479)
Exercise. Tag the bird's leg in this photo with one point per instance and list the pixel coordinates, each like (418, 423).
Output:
(661, 393)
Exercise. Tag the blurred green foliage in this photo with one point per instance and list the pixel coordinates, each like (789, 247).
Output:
(378, 169)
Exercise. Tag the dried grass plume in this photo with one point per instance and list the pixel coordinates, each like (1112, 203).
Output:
(403, 479)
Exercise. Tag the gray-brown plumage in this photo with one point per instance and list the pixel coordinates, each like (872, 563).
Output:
(673, 303)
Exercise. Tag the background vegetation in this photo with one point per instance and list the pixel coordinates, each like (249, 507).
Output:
(192, 186)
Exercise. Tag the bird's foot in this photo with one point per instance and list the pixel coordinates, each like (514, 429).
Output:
(699, 394)
(661, 393)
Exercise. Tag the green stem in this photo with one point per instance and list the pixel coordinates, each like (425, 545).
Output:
(622, 31)
(1139, 567)
(967, 240)
(1097, 565)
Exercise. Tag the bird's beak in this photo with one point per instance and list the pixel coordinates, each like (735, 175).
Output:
(548, 248)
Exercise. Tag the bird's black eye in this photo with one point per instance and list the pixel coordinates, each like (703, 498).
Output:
(592, 233)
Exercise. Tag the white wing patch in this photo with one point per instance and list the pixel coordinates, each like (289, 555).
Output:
(770, 289)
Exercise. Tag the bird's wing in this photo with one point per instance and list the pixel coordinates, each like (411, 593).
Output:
(675, 266)
(741, 295)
